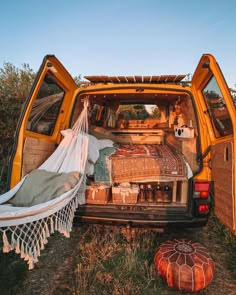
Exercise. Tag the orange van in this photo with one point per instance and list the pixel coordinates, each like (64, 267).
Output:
(162, 147)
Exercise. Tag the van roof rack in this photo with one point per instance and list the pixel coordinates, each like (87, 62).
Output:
(135, 79)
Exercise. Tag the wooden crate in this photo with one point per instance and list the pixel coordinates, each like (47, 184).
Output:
(97, 194)
(125, 195)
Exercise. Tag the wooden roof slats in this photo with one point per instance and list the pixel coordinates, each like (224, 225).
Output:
(170, 78)
(122, 79)
(130, 79)
(114, 79)
(135, 79)
(163, 78)
(154, 79)
(92, 79)
(146, 79)
(179, 78)
(105, 79)
(138, 79)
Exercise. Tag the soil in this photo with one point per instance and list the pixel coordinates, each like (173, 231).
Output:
(55, 263)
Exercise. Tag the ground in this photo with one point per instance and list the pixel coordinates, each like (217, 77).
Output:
(99, 260)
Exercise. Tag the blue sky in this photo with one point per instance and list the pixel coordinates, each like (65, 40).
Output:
(126, 37)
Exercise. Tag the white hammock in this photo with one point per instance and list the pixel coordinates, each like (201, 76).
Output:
(26, 229)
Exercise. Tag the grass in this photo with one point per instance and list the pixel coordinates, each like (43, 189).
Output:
(105, 261)
(114, 266)
(12, 273)
(101, 261)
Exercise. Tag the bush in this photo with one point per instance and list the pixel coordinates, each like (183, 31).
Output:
(15, 84)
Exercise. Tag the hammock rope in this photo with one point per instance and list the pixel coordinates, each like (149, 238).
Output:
(26, 229)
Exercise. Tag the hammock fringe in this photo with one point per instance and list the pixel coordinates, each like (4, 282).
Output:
(30, 247)
(26, 229)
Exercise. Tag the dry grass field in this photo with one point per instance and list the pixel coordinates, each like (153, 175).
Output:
(99, 260)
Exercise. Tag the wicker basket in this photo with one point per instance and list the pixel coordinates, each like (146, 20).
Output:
(125, 195)
(97, 194)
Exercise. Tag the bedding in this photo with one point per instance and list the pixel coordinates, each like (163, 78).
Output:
(102, 168)
(93, 149)
(140, 163)
(147, 163)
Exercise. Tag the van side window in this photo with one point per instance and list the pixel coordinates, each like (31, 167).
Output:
(45, 110)
(217, 109)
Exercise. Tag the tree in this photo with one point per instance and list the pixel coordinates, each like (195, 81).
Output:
(133, 112)
(14, 82)
(233, 94)
(15, 85)
(156, 113)
(78, 80)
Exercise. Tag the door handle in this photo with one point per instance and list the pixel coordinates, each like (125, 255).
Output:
(210, 163)
(226, 154)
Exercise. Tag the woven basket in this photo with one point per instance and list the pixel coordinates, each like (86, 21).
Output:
(125, 195)
(97, 194)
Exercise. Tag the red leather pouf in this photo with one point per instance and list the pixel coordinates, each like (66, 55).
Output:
(184, 265)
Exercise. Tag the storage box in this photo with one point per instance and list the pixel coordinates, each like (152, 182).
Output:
(97, 194)
(184, 132)
(125, 195)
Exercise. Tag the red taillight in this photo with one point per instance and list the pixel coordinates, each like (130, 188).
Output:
(201, 189)
(201, 186)
(204, 208)
(204, 195)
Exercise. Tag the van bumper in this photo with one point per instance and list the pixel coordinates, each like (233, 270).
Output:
(155, 220)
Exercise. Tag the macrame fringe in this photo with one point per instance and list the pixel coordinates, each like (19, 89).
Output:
(6, 246)
(29, 241)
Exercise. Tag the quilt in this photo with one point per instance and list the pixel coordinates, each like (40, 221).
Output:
(147, 163)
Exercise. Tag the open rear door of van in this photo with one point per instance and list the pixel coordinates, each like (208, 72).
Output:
(42, 118)
(217, 114)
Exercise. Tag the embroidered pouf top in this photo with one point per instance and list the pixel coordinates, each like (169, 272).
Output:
(184, 265)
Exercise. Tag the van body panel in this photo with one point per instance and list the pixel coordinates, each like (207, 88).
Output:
(55, 103)
(216, 105)
(50, 66)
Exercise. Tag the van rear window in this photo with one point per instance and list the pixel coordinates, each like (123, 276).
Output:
(44, 113)
(217, 109)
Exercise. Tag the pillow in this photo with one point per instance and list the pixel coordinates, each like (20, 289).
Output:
(89, 168)
(41, 186)
(104, 143)
(93, 149)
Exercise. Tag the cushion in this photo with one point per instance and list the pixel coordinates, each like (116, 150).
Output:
(104, 143)
(41, 186)
(184, 265)
(93, 149)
